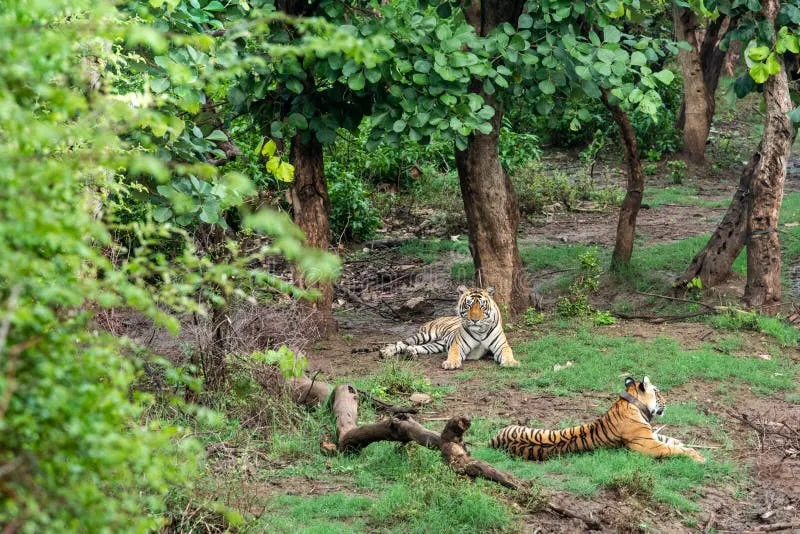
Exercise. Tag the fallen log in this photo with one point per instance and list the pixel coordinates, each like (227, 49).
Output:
(404, 429)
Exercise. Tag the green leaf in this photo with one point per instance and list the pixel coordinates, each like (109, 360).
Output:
(162, 214)
(611, 34)
(485, 128)
(606, 56)
(638, 59)
(773, 65)
(794, 115)
(399, 125)
(524, 22)
(269, 148)
(583, 72)
(759, 72)
(214, 5)
(297, 120)
(217, 135)
(159, 85)
(373, 75)
(758, 53)
(422, 66)
(547, 87)
(664, 76)
(294, 85)
(285, 172)
(357, 81)
(486, 113)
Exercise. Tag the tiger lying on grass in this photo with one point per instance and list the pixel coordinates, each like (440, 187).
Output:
(627, 424)
(475, 330)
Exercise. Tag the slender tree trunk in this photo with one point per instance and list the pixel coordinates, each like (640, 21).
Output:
(626, 227)
(490, 202)
(763, 287)
(492, 217)
(310, 208)
(713, 263)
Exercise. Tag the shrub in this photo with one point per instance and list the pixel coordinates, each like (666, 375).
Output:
(576, 302)
(353, 216)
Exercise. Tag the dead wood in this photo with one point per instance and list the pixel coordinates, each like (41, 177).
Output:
(388, 242)
(775, 527)
(402, 428)
(308, 391)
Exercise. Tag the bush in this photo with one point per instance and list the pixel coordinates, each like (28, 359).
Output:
(353, 216)
(537, 189)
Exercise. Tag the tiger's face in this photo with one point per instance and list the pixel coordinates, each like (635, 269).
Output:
(476, 308)
(647, 393)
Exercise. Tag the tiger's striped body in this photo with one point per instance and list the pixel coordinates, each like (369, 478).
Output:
(626, 424)
(476, 330)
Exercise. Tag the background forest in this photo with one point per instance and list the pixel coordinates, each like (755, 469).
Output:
(210, 207)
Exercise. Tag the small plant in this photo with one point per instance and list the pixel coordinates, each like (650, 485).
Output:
(352, 215)
(590, 153)
(537, 190)
(603, 318)
(290, 364)
(677, 171)
(347, 338)
(576, 302)
(635, 483)
(533, 317)
(650, 169)
(653, 154)
(517, 149)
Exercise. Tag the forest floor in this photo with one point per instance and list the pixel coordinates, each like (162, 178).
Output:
(730, 382)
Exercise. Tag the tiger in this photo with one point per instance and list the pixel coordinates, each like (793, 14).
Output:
(627, 424)
(476, 330)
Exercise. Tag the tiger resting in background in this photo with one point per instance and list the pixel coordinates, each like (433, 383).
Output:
(476, 329)
(626, 424)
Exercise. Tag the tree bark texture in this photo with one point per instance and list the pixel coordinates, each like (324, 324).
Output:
(310, 207)
(490, 202)
(763, 287)
(712, 265)
(700, 67)
(626, 226)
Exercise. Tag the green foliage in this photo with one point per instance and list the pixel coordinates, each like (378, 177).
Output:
(576, 302)
(603, 318)
(290, 364)
(533, 317)
(677, 171)
(517, 149)
(536, 189)
(352, 214)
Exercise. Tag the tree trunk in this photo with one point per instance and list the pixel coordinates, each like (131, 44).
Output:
(626, 227)
(490, 202)
(700, 67)
(310, 208)
(492, 218)
(712, 265)
(763, 287)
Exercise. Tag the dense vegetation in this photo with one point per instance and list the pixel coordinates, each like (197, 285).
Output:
(210, 168)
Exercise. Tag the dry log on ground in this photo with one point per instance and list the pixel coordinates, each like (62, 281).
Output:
(404, 429)
(308, 391)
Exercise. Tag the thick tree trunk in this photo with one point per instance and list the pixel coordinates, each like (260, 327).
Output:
(310, 208)
(700, 67)
(490, 202)
(712, 265)
(626, 227)
(763, 287)
(492, 218)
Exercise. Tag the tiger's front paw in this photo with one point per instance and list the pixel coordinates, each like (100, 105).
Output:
(509, 362)
(451, 364)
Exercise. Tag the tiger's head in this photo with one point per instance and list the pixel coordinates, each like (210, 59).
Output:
(476, 308)
(647, 394)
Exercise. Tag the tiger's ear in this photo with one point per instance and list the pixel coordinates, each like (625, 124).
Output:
(462, 289)
(490, 290)
(645, 383)
(629, 382)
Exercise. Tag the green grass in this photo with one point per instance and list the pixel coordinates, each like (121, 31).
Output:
(785, 334)
(683, 195)
(397, 379)
(430, 250)
(601, 361)
(684, 414)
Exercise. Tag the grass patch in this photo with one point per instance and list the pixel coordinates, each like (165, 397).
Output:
(785, 334)
(674, 481)
(683, 195)
(430, 250)
(686, 414)
(601, 361)
(397, 379)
